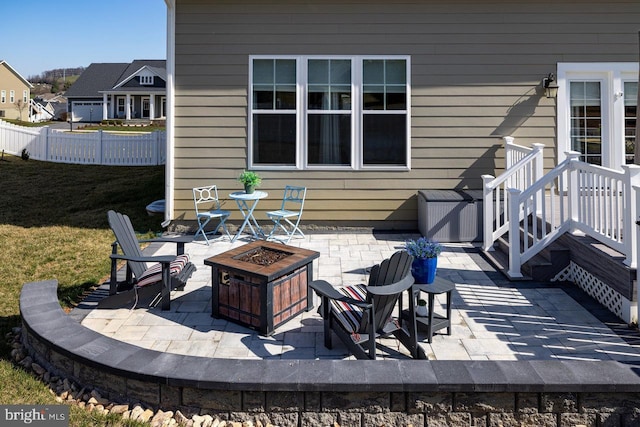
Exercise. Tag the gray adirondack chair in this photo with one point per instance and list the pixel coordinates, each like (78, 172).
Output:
(172, 271)
(359, 314)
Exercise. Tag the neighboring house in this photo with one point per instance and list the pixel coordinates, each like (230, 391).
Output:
(41, 111)
(15, 94)
(367, 102)
(119, 90)
(57, 101)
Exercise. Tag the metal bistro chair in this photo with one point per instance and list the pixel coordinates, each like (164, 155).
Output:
(208, 196)
(291, 209)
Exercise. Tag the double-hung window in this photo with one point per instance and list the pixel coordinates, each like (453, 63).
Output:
(12, 96)
(316, 112)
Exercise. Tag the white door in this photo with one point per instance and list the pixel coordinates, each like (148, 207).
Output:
(597, 105)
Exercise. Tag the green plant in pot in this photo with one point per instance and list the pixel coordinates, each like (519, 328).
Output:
(421, 308)
(425, 259)
(250, 180)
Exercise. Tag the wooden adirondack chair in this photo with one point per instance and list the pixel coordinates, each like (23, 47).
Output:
(172, 270)
(359, 314)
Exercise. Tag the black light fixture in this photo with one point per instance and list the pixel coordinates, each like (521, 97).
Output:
(550, 86)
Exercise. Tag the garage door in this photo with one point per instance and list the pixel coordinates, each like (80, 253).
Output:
(86, 111)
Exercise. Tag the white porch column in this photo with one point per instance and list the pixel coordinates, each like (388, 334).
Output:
(129, 107)
(152, 104)
(104, 107)
(112, 106)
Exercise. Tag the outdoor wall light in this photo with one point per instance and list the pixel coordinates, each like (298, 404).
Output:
(550, 86)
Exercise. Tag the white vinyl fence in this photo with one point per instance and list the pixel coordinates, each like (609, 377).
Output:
(95, 148)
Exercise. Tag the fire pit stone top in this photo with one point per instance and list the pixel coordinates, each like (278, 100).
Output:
(274, 258)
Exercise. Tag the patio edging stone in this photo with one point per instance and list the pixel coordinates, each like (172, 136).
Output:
(124, 371)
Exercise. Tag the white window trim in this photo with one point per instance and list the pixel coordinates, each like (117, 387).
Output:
(612, 76)
(12, 96)
(146, 80)
(3, 97)
(356, 113)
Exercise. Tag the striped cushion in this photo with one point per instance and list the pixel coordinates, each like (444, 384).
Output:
(154, 273)
(347, 314)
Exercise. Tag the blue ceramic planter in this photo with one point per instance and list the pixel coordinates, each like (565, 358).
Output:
(424, 270)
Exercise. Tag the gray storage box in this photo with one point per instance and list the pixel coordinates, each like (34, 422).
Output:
(450, 215)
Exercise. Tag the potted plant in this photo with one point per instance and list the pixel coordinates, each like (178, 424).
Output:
(421, 308)
(250, 180)
(425, 259)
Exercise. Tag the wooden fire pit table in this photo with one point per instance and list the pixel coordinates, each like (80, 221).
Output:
(261, 285)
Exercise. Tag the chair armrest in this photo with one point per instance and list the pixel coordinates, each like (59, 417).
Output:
(163, 259)
(326, 290)
(178, 240)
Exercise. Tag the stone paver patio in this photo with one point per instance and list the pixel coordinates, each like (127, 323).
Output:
(493, 319)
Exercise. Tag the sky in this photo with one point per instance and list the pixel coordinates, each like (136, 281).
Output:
(38, 37)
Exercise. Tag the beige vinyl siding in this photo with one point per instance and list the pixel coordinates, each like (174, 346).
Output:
(476, 68)
(10, 82)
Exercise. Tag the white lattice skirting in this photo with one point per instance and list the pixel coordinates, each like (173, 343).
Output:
(616, 303)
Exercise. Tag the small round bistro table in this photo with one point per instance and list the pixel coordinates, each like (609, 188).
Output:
(247, 203)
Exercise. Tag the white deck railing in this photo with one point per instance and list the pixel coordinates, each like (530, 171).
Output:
(523, 167)
(573, 197)
(97, 148)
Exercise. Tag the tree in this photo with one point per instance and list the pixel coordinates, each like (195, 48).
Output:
(20, 106)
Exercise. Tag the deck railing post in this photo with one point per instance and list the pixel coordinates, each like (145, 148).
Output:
(515, 264)
(487, 213)
(538, 172)
(508, 152)
(632, 178)
(573, 188)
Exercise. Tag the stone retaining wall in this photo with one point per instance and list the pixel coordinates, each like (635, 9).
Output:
(324, 392)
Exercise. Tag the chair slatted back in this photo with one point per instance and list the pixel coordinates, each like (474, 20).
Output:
(127, 240)
(391, 270)
(206, 195)
(387, 274)
(294, 196)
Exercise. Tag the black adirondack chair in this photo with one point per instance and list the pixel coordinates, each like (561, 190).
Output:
(172, 271)
(359, 314)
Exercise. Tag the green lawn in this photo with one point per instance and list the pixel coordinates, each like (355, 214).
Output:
(53, 225)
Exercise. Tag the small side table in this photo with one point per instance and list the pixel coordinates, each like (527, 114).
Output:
(247, 202)
(434, 322)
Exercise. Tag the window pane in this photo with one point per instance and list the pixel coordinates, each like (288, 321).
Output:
(340, 72)
(263, 97)
(373, 98)
(285, 97)
(274, 84)
(396, 98)
(263, 71)
(329, 84)
(630, 118)
(318, 71)
(586, 120)
(285, 71)
(373, 72)
(329, 139)
(385, 85)
(396, 72)
(318, 97)
(385, 139)
(274, 139)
